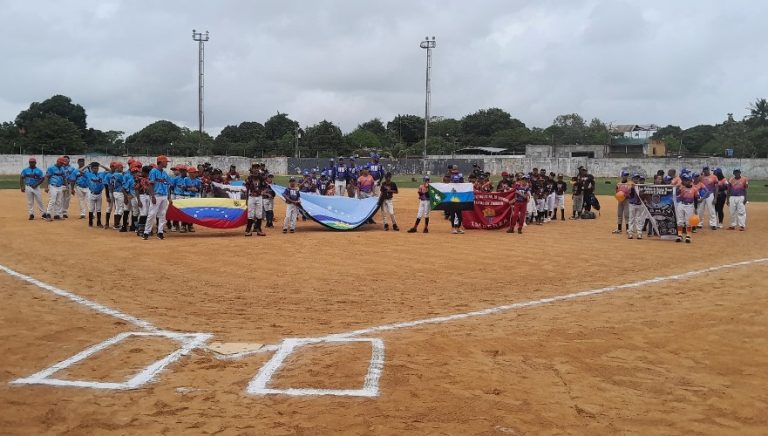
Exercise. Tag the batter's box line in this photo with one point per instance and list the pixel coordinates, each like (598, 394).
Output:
(258, 385)
(188, 341)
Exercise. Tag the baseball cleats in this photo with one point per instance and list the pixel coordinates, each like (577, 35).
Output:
(160, 236)
(31, 217)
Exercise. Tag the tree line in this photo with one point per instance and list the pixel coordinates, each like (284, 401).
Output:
(59, 126)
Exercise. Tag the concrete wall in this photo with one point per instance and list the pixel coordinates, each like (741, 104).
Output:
(12, 164)
(560, 151)
(609, 167)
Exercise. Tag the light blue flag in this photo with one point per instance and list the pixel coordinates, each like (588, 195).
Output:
(337, 213)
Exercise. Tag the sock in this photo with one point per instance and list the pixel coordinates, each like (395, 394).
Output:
(125, 219)
(679, 230)
(426, 223)
(248, 226)
(117, 219)
(619, 228)
(98, 218)
(134, 219)
(106, 223)
(142, 224)
(90, 219)
(418, 220)
(258, 225)
(562, 214)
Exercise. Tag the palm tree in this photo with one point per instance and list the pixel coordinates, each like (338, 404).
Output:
(758, 113)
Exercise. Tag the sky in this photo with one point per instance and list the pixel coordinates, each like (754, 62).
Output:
(130, 63)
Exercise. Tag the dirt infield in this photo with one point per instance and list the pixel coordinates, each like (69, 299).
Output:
(683, 355)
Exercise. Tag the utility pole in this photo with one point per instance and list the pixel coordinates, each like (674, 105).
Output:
(201, 38)
(428, 45)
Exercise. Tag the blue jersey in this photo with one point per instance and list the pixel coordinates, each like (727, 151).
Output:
(32, 176)
(107, 178)
(376, 170)
(129, 184)
(340, 173)
(70, 174)
(95, 181)
(78, 176)
(190, 184)
(160, 181)
(55, 175)
(291, 194)
(178, 185)
(116, 182)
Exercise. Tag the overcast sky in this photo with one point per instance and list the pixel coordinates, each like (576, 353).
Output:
(130, 63)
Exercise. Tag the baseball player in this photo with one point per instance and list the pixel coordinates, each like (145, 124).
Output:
(254, 187)
(131, 201)
(292, 197)
(687, 196)
(107, 176)
(158, 191)
(354, 173)
(560, 188)
(737, 200)
(424, 208)
(56, 178)
(520, 204)
(80, 186)
(95, 187)
(193, 187)
(622, 212)
(142, 191)
(708, 193)
(232, 175)
(30, 180)
(268, 199)
(116, 181)
(388, 190)
(177, 190)
(365, 184)
(637, 213)
(376, 170)
(66, 193)
(340, 176)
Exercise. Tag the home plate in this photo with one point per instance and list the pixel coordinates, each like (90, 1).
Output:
(230, 348)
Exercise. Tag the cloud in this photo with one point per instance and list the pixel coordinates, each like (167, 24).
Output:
(129, 63)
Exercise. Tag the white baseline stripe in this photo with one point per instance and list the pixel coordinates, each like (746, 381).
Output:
(146, 325)
(513, 306)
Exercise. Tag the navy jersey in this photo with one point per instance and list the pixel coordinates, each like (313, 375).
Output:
(376, 170)
(292, 194)
(340, 173)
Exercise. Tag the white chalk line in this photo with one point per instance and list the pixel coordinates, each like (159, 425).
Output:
(258, 385)
(146, 325)
(188, 341)
(508, 307)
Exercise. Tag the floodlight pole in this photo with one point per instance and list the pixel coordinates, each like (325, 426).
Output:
(428, 45)
(201, 38)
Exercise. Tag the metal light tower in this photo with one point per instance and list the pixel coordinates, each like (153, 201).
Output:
(201, 38)
(428, 45)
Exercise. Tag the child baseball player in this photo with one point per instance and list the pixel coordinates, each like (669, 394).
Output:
(423, 212)
(687, 196)
(96, 186)
(636, 210)
(254, 186)
(737, 200)
(708, 193)
(519, 205)
(292, 197)
(30, 180)
(81, 187)
(622, 211)
(118, 196)
(142, 191)
(388, 190)
(268, 197)
(560, 188)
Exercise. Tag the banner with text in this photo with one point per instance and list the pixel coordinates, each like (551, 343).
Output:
(492, 210)
(659, 200)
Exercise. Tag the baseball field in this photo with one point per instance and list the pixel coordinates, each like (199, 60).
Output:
(565, 329)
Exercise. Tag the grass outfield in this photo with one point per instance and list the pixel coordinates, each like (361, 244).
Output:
(758, 190)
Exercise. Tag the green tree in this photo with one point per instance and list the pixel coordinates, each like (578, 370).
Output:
(695, 138)
(325, 136)
(53, 134)
(278, 125)
(157, 137)
(568, 129)
(406, 129)
(596, 132)
(361, 139)
(668, 131)
(57, 105)
(759, 141)
(758, 113)
(486, 122)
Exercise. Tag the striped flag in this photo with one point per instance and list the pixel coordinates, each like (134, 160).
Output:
(445, 196)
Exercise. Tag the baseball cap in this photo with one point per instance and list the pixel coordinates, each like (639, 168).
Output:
(162, 158)
(292, 179)
(426, 177)
(636, 176)
(624, 173)
(32, 159)
(685, 176)
(705, 169)
(695, 175)
(61, 160)
(736, 170)
(504, 174)
(192, 169)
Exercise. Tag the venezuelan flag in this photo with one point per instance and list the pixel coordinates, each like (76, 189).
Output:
(217, 213)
